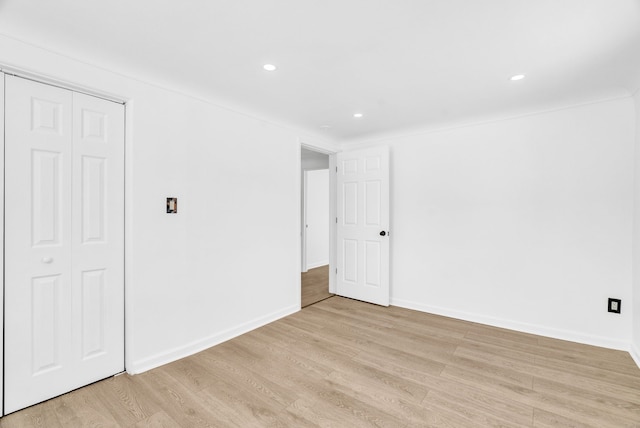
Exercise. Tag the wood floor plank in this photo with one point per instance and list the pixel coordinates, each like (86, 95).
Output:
(232, 370)
(344, 363)
(476, 411)
(323, 403)
(544, 419)
(157, 420)
(401, 399)
(239, 407)
(83, 408)
(496, 403)
(125, 399)
(42, 415)
(315, 285)
(181, 404)
(378, 383)
(603, 403)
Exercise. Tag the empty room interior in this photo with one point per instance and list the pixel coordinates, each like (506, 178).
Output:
(459, 179)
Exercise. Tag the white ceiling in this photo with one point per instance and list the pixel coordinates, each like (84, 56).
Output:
(403, 63)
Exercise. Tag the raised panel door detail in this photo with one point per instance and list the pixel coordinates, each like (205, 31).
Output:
(46, 116)
(93, 316)
(350, 254)
(372, 263)
(45, 323)
(45, 198)
(93, 199)
(94, 126)
(350, 204)
(64, 235)
(372, 164)
(372, 203)
(363, 202)
(350, 166)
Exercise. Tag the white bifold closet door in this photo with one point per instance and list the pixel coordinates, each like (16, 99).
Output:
(64, 241)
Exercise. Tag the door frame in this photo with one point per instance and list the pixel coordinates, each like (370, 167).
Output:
(332, 213)
(127, 195)
(303, 219)
(2, 85)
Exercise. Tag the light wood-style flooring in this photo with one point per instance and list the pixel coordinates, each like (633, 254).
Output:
(343, 363)
(315, 285)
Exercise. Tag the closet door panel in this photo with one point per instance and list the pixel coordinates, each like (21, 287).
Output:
(98, 236)
(64, 289)
(38, 133)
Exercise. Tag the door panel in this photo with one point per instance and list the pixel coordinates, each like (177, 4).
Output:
(37, 240)
(363, 212)
(93, 297)
(64, 321)
(46, 193)
(98, 236)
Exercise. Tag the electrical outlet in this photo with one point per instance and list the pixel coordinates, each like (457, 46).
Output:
(172, 205)
(614, 305)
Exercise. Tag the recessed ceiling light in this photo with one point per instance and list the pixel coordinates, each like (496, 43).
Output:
(358, 115)
(517, 77)
(269, 67)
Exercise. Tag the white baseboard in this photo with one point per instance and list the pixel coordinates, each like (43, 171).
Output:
(200, 345)
(635, 354)
(571, 336)
(317, 264)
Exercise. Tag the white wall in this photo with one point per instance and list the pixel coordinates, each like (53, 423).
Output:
(310, 164)
(523, 223)
(635, 351)
(237, 181)
(317, 221)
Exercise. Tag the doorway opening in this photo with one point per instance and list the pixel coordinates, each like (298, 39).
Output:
(315, 226)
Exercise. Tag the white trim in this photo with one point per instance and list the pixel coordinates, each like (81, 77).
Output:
(303, 219)
(129, 311)
(2, 148)
(635, 354)
(202, 344)
(298, 281)
(572, 336)
(64, 84)
(317, 147)
(333, 230)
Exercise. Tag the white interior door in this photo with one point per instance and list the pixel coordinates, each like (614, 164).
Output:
(64, 241)
(363, 225)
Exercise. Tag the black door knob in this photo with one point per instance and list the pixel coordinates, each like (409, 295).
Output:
(383, 233)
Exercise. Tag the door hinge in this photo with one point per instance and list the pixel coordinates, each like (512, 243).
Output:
(336, 271)
(336, 219)
(336, 170)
